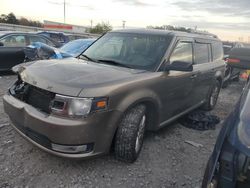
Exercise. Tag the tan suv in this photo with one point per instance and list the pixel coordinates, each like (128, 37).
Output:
(127, 82)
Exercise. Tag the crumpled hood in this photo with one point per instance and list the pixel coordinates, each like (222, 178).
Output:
(70, 76)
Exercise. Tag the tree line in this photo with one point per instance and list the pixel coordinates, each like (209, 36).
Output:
(11, 19)
(171, 28)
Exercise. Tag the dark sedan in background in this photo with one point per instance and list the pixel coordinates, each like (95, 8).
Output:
(22, 39)
(13, 43)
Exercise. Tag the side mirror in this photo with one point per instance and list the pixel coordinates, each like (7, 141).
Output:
(1, 44)
(239, 58)
(180, 66)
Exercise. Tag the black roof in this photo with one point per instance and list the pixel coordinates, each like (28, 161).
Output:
(2, 33)
(169, 33)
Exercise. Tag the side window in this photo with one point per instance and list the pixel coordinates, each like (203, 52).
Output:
(14, 41)
(217, 51)
(182, 52)
(37, 39)
(202, 53)
(57, 37)
(49, 43)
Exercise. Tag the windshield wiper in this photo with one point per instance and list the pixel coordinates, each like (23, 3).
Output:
(112, 62)
(87, 57)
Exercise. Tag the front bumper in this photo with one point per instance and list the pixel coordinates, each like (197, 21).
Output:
(43, 130)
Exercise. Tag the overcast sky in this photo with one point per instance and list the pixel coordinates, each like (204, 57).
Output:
(230, 19)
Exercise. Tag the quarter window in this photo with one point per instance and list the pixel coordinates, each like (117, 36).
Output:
(183, 52)
(202, 53)
(217, 51)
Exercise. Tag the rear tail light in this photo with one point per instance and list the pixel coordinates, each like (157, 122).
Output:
(233, 60)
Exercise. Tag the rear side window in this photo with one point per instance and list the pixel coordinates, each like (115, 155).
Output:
(40, 39)
(217, 51)
(36, 39)
(202, 53)
(182, 52)
(57, 37)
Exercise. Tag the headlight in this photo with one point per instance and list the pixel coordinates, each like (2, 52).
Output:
(76, 107)
(79, 107)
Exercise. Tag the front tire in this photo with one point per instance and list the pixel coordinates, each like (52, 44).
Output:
(212, 96)
(130, 133)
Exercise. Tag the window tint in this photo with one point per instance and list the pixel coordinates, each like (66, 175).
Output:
(202, 53)
(182, 52)
(217, 51)
(14, 41)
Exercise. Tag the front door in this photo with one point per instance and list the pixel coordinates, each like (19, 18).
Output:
(179, 85)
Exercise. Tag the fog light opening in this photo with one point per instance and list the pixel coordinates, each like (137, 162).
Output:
(72, 149)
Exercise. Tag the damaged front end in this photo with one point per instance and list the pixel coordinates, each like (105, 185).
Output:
(36, 97)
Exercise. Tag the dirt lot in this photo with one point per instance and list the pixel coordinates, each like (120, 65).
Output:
(165, 161)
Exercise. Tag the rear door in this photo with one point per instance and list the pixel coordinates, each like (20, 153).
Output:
(12, 53)
(204, 69)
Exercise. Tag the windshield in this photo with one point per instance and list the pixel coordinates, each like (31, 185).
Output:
(76, 47)
(138, 51)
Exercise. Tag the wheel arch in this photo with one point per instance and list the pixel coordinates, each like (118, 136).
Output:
(146, 97)
(219, 76)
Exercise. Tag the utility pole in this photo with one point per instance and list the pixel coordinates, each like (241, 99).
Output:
(64, 13)
(123, 24)
(91, 23)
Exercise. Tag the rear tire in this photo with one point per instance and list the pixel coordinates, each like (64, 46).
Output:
(227, 77)
(212, 96)
(130, 133)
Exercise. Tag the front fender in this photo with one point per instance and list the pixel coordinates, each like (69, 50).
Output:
(146, 96)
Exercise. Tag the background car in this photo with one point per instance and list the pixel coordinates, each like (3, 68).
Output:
(229, 164)
(41, 51)
(230, 73)
(12, 45)
(76, 47)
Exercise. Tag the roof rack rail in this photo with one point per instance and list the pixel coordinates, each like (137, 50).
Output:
(203, 33)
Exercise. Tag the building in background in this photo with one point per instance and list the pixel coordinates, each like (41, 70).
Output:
(64, 27)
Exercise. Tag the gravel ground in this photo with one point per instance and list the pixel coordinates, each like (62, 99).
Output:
(165, 161)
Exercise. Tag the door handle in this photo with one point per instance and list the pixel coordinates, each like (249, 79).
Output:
(193, 76)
